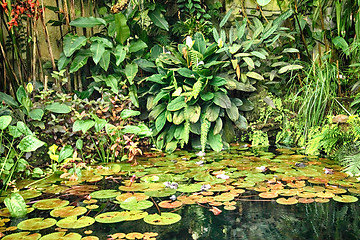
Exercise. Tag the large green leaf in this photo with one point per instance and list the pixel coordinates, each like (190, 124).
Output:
(65, 153)
(290, 68)
(58, 108)
(83, 125)
(98, 49)
(156, 111)
(126, 113)
(158, 19)
(192, 113)
(222, 100)
(255, 75)
(73, 43)
(137, 46)
(233, 112)
(200, 43)
(8, 99)
(341, 43)
(177, 104)
(225, 19)
(16, 205)
(131, 71)
(105, 60)
(30, 143)
(160, 121)
(120, 54)
(5, 121)
(215, 141)
(36, 114)
(212, 112)
(86, 22)
(121, 28)
(80, 60)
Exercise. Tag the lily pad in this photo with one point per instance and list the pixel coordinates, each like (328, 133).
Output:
(61, 236)
(90, 238)
(163, 219)
(47, 204)
(325, 194)
(138, 196)
(346, 199)
(135, 187)
(163, 193)
(22, 236)
(134, 235)
(28, 194)
(68, 211)
(170, 204)
(190, 188)
(104, 194)
(74, 222)
(34, 224)
(287, 201)
(113, 217)
(133, 204)
(55, 189)
(268, 195)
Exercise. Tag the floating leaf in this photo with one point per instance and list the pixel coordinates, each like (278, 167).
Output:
(287, 201)
(61, 236)
(138, 196)
(345, 199)
(35, 224)
(74, 222)
(104, 194)
(196, 187)
(28, 194)
(134, 235)
(170, 204)
(164, 219)
(47, 204)
(113, 217)
(22, 236)
(268, 195)
(132, 204)
(162, 193)
(68, 211)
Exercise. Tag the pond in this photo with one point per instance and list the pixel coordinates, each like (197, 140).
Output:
(243, 193)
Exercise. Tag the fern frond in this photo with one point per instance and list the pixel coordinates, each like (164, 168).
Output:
(352, 164)
(197, 88)
(195, 58)
(205, 127)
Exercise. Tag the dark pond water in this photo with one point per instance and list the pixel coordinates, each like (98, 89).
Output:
(253, 218)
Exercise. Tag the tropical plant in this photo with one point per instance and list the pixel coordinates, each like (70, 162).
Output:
(15, 141)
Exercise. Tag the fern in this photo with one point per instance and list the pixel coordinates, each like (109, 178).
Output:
(205, 127)
(197, 88)
(195, 58)
(352, 164)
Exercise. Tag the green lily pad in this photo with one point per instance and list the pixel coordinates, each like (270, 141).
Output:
(61, 236)
(28, 194)
(113, 217)
(34, 224)
(47, 204)
(74, 222)
(190, 188)
(132, 204)
(22, 236)
(165, 218)
(104, 194)
(345, 199)
(55, 189)
(287, 201)
(68, 211)
(138, 196)
(163, 193)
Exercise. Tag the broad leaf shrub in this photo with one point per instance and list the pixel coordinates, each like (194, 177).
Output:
(199, 93)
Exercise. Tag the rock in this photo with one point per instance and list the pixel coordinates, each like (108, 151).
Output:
(340, 119)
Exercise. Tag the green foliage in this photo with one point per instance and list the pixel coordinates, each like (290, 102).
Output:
(16, 205)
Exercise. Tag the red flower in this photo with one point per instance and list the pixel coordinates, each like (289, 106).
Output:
(4, 4)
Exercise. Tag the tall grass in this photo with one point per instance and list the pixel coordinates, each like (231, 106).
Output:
(317, 95)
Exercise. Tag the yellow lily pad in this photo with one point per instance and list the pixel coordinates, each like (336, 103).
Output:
(287, 201)
(34, 224)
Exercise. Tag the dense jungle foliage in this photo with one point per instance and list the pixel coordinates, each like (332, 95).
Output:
(167, 75)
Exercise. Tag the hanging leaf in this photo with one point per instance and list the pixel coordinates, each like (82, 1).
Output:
(35, 114)
(215, 141)
(221, 99)
(131, 71)
(105, 60)
(137, 46)
(290, 68)
(120, 54)
(126, 113)
(87, 22)
(158, 19)
(176, 104)
(225, 19)
(255, 75)
(98, 49)
(80, 60)
(73, 43)
(121, 28)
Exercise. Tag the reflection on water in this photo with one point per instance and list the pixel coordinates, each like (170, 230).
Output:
(255, 220)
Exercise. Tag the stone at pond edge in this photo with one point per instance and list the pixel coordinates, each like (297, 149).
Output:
(34, 224)
(22, 236)
(62, 236)
(164, 219)
(74, 222)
